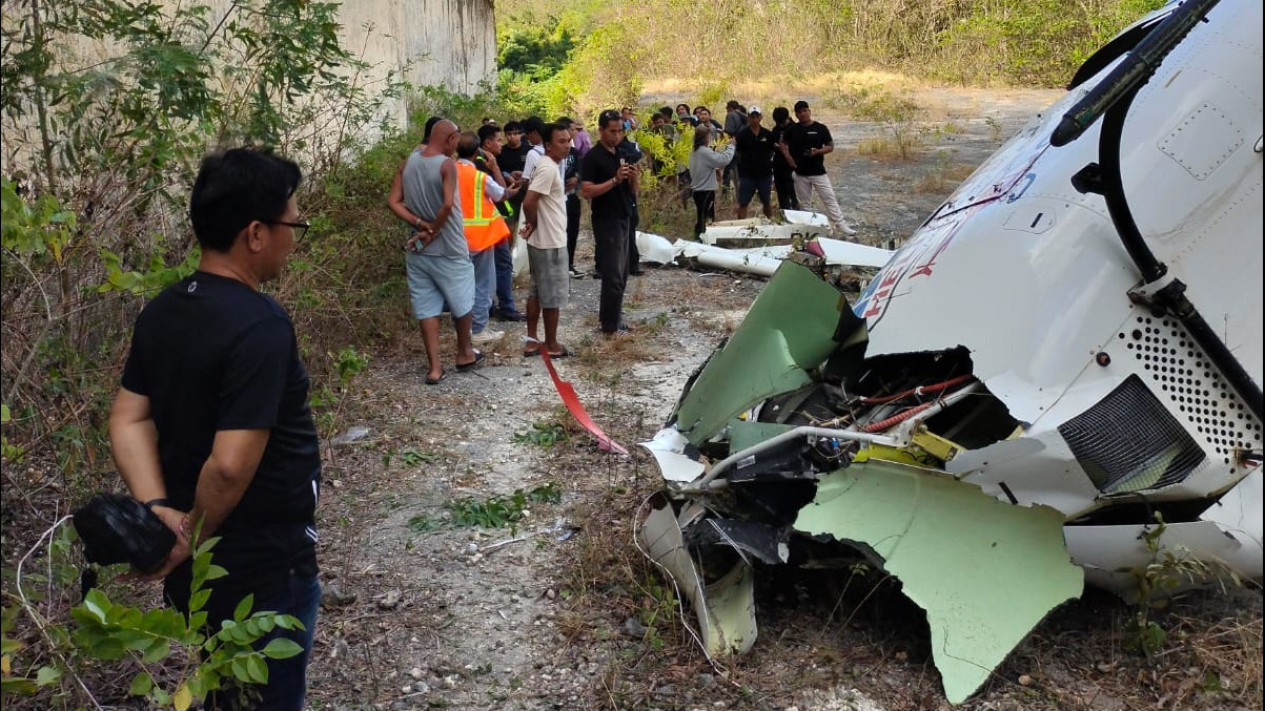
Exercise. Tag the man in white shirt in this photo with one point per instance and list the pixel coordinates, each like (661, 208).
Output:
(545, 229)
(533, 129)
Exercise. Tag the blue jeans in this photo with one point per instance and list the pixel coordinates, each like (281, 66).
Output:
(484, 282)
(286, 689)
(505, 274)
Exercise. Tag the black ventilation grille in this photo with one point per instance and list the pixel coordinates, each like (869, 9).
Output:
(1130, 442)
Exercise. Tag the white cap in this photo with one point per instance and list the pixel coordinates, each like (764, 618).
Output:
(755, 110)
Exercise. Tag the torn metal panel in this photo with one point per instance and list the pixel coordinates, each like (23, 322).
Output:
(725, 609)
(1227, 537)
(768, 544)
(985, 572)
(1113, 556)
(806, 217)
(840, 252)
(770, 353)
(670, 450)
(716, 234)
(743, 434)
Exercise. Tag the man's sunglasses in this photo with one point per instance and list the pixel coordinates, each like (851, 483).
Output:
(300, 228)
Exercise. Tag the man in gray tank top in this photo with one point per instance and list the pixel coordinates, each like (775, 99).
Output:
(437, 260)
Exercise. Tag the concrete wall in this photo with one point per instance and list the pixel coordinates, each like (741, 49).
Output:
(424, 42)
(430, 42)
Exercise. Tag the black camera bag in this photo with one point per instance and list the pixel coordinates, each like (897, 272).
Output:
(120, 529)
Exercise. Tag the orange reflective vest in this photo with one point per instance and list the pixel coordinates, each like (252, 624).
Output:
(483, 224)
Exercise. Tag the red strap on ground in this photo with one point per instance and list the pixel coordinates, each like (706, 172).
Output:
(572, 401)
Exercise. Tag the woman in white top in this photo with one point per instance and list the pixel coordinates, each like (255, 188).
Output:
(704, 162)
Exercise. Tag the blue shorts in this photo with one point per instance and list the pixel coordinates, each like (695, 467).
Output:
(434, 281)
(747, 187)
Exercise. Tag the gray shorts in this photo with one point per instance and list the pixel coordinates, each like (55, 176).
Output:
(434, 281)
(550, 280)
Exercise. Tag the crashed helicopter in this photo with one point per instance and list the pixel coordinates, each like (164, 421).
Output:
(1055, 381)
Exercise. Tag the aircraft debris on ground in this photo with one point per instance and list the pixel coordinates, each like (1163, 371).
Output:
(1055, 381)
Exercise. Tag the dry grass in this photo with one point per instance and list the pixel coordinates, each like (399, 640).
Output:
(772, 90)
(891, 147)
(942, 180)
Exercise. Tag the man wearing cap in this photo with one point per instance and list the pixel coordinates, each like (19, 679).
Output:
(755, 147)
(804, 148)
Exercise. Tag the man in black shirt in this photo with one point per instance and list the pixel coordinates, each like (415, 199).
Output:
(609, 182)
(755, 164)
(805, 148)
(783, 176)
(211, 426)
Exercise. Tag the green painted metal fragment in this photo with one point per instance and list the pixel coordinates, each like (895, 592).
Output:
(788, 331)
(985, 571)
(743, 434)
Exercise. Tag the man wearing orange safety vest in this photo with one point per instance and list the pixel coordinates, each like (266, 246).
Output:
(485, 228)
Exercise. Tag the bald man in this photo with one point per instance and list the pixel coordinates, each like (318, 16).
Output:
(437, 259)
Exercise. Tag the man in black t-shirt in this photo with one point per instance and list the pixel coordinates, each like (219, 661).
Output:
(609, 182)
(211, 426)
(783, 176)
(755, 146)
(805, 148)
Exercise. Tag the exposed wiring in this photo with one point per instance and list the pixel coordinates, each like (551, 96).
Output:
(896, 419)
(920, 390)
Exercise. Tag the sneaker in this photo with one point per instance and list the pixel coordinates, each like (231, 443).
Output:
(847, 229)
(576, 273)
(487, 335)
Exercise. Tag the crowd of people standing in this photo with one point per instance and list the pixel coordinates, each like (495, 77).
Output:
(467, 196)
(788, 158)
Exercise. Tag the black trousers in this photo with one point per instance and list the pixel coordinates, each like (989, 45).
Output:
(573, 227)
(610, 244)
(784, 183)
(704, 209)
(634, 256)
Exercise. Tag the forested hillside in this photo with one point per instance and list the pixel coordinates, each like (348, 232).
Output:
(580, 53)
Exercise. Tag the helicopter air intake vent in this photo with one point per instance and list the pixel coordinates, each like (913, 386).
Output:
(1130, 442)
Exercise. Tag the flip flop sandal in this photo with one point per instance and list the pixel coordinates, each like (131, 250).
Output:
(436, 381)
(478, 361)
(531, 353)
(564, 354)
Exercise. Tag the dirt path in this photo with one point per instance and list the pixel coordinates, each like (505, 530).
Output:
(424, 613)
